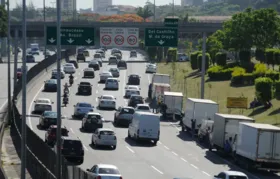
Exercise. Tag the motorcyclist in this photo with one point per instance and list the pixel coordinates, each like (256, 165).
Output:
(66, 89)
(65, 99)
(71, 79)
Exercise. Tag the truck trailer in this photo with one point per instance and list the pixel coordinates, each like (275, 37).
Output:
(174, 103)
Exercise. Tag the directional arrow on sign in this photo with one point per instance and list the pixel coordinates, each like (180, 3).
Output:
(70, 41)
(52, 40)
(88, 41)
(161, 42)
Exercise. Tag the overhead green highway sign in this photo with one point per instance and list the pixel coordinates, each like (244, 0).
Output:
(161, 37)
(171, 21)
(77, 36)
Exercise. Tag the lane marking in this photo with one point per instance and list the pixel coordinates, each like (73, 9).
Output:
(98, 84)
(72, 130)
(206, 173)
(96, 99)
(130, 149)
(30, 106)
(175, 153)
(156, 169)
(184, 160)
(5, 102)
(124, 82)
(189, 154)
(85, 147)
(96, 91)
(166, 147)
(159, 142)
(75, 78)
(194, 166)
(79, 74)
(174, 125)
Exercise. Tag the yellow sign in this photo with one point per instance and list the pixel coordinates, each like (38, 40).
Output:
(237, 102)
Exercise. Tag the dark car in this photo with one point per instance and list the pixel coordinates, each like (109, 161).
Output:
(134, 100)
(89, 72)
(35, 52)
(75, 63)
(19, 72)
(123, 115)
(50, 136)
(50, 85)
(85, 88)
(133, 53)
(47, 119)
(134, 80)
(118, 55)
(30, 58)
(81, 57)
(71, 149)
(113, 60)
(92, 121)
(94, 64)
(122, 64)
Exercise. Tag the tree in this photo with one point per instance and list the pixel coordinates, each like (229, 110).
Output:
(121, 18)
(3, 21)
(145, 12)
(31, 11)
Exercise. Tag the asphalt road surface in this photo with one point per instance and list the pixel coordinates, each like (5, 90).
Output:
(175, 156)
(4, 74)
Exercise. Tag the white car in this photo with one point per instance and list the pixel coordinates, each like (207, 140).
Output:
(54, 74)
(131, 89)
(107, 101)
(105, 171)
(231, 175)
(43, 104)
(69, 68)
(104, 137)
(80, 109)
(112, 83)
(151, 68)
(143, 108)
(105, 75)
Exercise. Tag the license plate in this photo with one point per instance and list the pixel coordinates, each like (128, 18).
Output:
(84, 90)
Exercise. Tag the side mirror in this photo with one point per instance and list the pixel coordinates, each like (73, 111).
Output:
(88, 170)
(34, 101)
(98, 97)
(139, 88)
(52, 102)
(74, 105)
(115, 98)
(44, 81)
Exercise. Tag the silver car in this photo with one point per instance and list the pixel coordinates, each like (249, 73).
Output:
(115, 72)
(105, 75)
(112, 83)
(107, 101)
(43, 104)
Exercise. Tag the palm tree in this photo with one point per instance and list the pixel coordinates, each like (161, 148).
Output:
(145, 12)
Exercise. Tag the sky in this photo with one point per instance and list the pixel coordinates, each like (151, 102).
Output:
(89, 3)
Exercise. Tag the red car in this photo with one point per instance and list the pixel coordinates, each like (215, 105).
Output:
(50, 136)
(19, 73)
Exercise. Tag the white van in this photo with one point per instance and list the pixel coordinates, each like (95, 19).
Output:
(144, 126)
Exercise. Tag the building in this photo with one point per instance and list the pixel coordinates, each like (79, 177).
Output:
(101, 5)
(186, 2)
(88, 10)
(69, 6)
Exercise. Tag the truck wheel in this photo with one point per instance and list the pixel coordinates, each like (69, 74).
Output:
(128, 135)
(183, 128)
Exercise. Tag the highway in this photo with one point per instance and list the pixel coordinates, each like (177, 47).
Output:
(176, 155)
(4, 73)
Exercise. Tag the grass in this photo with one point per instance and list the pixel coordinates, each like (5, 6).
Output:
(217, 91)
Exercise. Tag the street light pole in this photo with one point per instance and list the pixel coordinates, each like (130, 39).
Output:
(58, 54)
(9, 61)
(173, 10)
(203, 66)
(45, 40)
(15, 60)
(23, 118)
(154, 10)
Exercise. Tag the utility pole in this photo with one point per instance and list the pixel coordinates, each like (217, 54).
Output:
(173, 10)
(23, 119)
(58, 54)
(15, 60)
(9, 61)
(203, 66)
(154, 10)
(45, 36)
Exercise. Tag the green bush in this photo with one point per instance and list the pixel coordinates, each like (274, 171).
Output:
(263, 89)
(276, 55)
(172, 54)
(260, 70)
(272, 75)
(237, 76)
(248, 79)
(151, 51)
(260, 55)
(221, 59)
(219, 73)
(194, 64)
(207, 61)
(269, 56)
(245, 56)
(248, 66)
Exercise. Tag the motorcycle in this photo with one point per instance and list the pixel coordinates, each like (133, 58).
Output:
(71, 81)
(66, 91)
(65, 101)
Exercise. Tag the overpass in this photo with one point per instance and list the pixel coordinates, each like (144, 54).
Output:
(36, 29)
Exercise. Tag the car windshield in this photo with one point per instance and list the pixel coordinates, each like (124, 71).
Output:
(113, 58)
(19, 70)
(80, 54)
(114, 69)
(72, 144)
(64, 131)
(51, 81)
(122, 62)
(133, 87)
(106, 73)
(237, 177)
(94, 116)
(97, 55)
(107, 97)
(108, 171)
(50, 114)
(84, 105)
(107, 133)
(143, 108)
(84, 84)
(134, 76)
(42, 101)
(127, 111)
(89, 69)
(136, 98)
(68, 65)
(112, 80)
(135, 92)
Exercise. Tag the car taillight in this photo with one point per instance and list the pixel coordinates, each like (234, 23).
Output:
(138, 132)
(120, 177)
(98, 177)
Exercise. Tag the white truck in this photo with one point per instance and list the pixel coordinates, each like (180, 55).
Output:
(174, 102)
(258, 147)
(159, 89)
(226, 126)
(198, 109)
(159, 83)
(161, 78)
